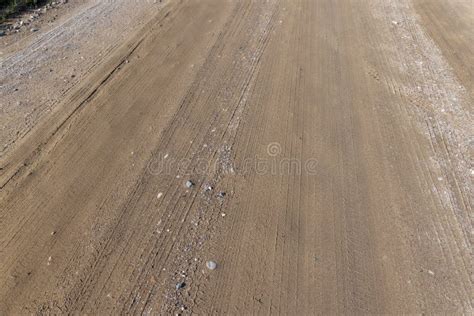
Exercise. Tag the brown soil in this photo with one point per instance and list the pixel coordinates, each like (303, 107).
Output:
(339, 131)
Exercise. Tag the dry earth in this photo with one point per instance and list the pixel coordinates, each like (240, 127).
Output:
(340, 132)
(38, 69)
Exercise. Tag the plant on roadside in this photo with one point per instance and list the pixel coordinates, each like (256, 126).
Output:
(10, 7)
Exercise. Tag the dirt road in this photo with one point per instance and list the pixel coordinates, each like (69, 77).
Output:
(329, 143)
(37, 69)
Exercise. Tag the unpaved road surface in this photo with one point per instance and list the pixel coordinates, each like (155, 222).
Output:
(329, 143)
(37, 69)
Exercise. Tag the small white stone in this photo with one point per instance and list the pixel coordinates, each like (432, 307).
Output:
(211, 265)
(159, 195)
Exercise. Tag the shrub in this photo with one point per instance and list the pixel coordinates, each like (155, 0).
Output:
(9, 7)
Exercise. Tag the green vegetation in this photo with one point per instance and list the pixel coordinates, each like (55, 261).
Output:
(9, 7)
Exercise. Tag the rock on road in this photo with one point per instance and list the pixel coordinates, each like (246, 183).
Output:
(328, 144)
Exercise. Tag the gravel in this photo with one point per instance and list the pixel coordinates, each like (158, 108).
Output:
(180, 285)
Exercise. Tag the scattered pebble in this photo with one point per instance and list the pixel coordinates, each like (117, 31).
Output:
(208, 188)
(221, 194)
(180, 285)
(430, 272)
(34, 29)
(189, 184)
(211, 265)
(53, 233)
(159, 195)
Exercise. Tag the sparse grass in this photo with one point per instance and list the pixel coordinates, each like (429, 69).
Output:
(10, 7)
